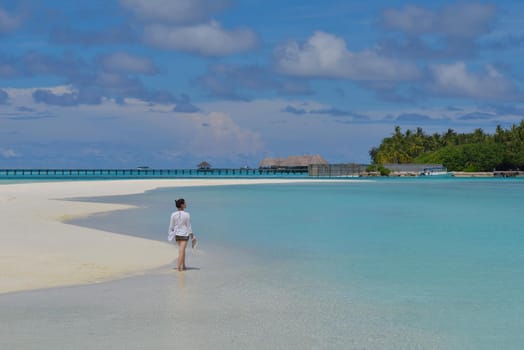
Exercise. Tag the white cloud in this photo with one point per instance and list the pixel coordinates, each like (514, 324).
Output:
(8, 153)
(216, 134)
(208, 39)
(326, 56)
(124, 62)
(121, 129)
(8, 22)
(175, 11)
(229, 133)
(455, 80)
(462, 20)
(411, 19)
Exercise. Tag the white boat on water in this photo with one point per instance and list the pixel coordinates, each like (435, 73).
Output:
(435, 171)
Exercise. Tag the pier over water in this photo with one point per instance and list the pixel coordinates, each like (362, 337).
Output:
(147, 173)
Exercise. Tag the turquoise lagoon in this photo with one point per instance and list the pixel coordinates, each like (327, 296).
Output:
(442, 256)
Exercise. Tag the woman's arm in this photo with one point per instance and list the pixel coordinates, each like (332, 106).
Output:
(189, 228)
(171, 223)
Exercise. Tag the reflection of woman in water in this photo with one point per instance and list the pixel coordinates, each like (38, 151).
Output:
(180, 230)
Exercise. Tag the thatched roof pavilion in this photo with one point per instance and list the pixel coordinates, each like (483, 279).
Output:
(292, 161)
(204, 165)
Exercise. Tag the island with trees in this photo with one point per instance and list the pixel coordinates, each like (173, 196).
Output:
(471, 152)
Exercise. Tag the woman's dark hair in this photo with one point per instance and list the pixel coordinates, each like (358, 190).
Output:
(179, 202)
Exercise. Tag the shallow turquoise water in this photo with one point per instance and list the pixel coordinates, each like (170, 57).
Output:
(444, 256)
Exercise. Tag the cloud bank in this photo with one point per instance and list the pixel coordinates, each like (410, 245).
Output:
(188, 26)
(175, 11)
(122, 62)
(325, 55)
(462, 20)
(208, 39)
(457, 81)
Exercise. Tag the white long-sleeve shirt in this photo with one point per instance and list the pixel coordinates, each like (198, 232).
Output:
(179, 225)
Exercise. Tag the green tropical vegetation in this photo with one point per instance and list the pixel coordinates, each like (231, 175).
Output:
(475, 151)
(378, 168)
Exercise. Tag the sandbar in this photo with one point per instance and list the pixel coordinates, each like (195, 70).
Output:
(39, 250)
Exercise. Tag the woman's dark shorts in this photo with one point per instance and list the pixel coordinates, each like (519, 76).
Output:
(181, 238)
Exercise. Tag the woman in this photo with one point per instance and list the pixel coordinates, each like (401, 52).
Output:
(180, 230)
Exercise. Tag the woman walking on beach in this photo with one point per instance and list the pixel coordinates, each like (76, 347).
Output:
(180, 230)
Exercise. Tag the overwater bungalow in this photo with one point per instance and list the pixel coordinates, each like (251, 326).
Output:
(292, 162)
(204, 166)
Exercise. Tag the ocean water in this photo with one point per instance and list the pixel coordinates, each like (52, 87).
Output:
(443, 257)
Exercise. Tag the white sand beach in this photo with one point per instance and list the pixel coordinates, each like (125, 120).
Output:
(50, 298)
(39, 251)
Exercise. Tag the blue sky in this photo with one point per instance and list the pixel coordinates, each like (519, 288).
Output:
(169, 83)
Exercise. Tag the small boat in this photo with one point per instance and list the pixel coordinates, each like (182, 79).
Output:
(435, 171)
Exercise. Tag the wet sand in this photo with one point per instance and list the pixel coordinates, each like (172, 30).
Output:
(226, 300)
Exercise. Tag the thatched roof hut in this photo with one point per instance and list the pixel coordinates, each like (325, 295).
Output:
(292, 161)
(204, 165)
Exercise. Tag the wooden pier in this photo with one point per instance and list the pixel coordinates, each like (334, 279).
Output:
(146, 173)
(509, 173)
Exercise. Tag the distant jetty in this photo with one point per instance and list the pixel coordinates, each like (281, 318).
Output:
(472, 174)
(270, 168)
(509, 173)
(140, 173)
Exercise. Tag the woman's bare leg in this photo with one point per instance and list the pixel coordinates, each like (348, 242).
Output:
(182, 255)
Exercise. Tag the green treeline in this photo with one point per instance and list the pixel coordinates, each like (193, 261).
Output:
(476, 151)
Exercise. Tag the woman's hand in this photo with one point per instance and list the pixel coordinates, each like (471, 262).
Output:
(193, 241)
